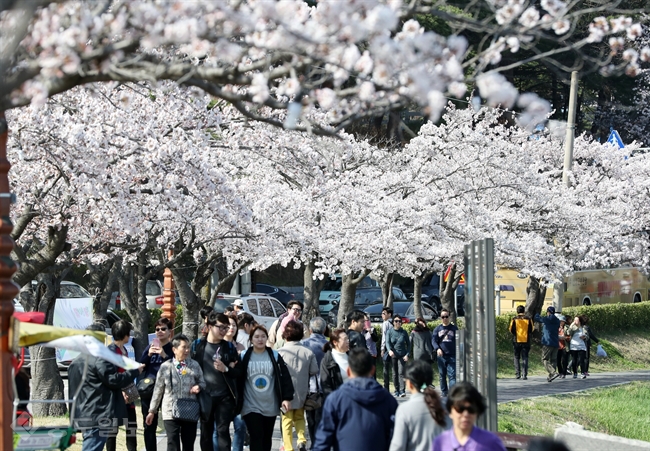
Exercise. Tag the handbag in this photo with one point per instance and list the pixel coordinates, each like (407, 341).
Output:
(314, 399)
(205, 404)
(131, 393)
(184, 409)
(146, 386)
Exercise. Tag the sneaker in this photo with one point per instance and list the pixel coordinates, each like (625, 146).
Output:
(402, 395)
(584, 376)
(575, 375)
(587, 373)
(525, 378)
(302, 447)
(553, 376)
(396, 394)
(517, 376)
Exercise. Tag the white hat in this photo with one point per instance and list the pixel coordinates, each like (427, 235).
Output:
(561, 317)
(238, 303)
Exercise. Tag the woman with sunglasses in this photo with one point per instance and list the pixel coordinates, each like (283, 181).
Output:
(154, 355)
(422, 418)
(464, 405)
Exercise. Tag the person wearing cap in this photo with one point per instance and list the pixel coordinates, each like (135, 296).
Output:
(550, 341)
(239, 306)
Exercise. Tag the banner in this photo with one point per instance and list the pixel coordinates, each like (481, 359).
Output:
(72, 314)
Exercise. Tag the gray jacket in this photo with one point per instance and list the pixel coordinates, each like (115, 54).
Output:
(301, 363)
(422, 344)
(181, 386)
(415, 429)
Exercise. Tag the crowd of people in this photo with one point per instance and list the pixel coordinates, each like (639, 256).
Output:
(321, 383)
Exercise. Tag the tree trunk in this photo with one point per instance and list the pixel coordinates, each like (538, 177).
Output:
(448, 290)
(102, 283)
(417, 295)
(311, 293)
(225, 283)
(134, 301)
(348, 292)
(386, 284)
(191, 305)
(46, 380)
(535, 294)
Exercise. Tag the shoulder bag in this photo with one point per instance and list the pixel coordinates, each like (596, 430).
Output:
(314, 400)
(146, 386)
(183, 409)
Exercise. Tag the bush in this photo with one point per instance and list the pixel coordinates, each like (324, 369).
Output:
(613, 317)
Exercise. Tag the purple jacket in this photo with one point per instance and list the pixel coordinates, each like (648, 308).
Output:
(479, 440)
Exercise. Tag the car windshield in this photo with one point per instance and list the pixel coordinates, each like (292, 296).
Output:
(153, 289)
(73, 291)
(332, 284)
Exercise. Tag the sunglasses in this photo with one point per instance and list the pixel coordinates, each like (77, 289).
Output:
(397, 320)
(467, 407)
(444, 317)
(161, 329)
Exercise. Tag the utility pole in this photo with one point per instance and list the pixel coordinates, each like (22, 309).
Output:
(570, 129)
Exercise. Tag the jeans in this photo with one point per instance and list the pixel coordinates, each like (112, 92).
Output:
(94, 439)
(261, 428)
(313, 420)
(180, 432)
(131, 427)
(223, 412)
(388, 363)
(521, 353)
(149, 431)
(240, 434)
(398, 373)
(578, 359)
(447, 369)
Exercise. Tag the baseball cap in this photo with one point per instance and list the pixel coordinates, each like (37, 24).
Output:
(561, 317)
(238, 302)
(551, 309)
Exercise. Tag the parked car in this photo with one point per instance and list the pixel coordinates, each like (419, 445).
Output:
(278, 293)
(403, 309)
(364, 298)
(431, 293)
(265, 309)
(331, 292)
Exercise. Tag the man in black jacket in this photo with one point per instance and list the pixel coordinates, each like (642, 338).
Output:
(100, 406)
(219, 361)
(355, 332)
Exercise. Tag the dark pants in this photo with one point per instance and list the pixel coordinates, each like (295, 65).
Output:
(313, 420)
(587, 356)
(180, 432)
(388, 363)
(223, 412)
(447, 369)
(261, 429)
(398, 373)
(521, 354)
(149, 430)
(131, 427)
(578, 359)
(562, 361)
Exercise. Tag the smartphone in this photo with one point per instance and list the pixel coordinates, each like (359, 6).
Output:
(283, 410)
(155, 343)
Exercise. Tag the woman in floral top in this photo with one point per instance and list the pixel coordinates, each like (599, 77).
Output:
(180, 377)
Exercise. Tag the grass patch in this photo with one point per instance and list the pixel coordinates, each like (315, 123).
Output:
(622, 411)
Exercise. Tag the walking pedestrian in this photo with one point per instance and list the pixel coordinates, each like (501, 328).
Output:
(315, 342)
(521, 329)
(334, 366)
(359, 416)
(386, 325)
(422, 418)
(265, 386)
(178, 379)
(550, 341)
(239, 427)
(121, 331)
(464, 405)
(591, 338)
(578, 346)
(398, 346)
(219, 360)
(100, 404)
(562, 350)
(158, 352)
(444, 342)
(301, 363)
(245, 324)
(422, 341)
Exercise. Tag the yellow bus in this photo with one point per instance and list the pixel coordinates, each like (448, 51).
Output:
(512, 290)
(606, 286)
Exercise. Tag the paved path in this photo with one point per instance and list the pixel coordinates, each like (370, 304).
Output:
(511, 390)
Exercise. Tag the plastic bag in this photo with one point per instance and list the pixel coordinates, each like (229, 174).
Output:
(600, 352)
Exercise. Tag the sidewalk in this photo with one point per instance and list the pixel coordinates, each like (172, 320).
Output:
(508, 390)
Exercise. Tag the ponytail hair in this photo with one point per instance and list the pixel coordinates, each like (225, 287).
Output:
(420, 374)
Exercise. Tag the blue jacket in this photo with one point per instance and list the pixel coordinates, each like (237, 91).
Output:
(549, 331)
(359, 416)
